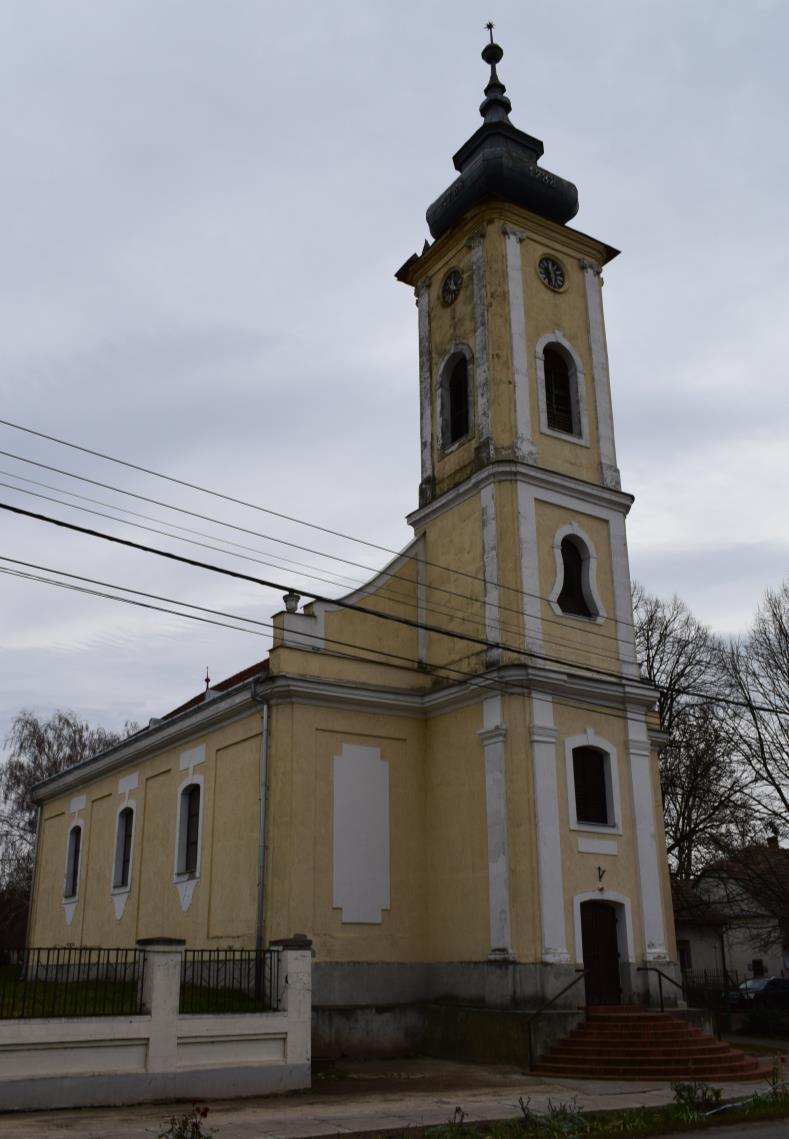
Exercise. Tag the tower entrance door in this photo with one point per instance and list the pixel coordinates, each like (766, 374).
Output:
(601, 953)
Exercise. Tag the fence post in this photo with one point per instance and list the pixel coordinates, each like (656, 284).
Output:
(161, 988)
(295, 970)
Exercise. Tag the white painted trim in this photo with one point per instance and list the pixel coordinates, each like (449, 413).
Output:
(546, 482)
(598, 846)
(482, 387)
(120, 894)
(445, 447)
(530, 568)
(589, 571)
(645, 826)
(590, 739)
(623, 597)
(490, 561)
(186, 883)
(549, 844)
(600, 379)
(360, 834)
(525, 449)
(70, 900)
(626, 944)
(492, 736)
(421, 601)
(425, 380)
(580, 434)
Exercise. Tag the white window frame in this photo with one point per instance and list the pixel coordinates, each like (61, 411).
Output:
(444, 372)
(117, 860)
(180, 875)
(76, 826)
(580, 433)
(613, 798)
(588, 579)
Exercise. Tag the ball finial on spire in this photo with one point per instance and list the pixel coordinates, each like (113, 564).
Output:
(495, 107)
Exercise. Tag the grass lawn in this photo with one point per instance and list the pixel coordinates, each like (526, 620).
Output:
(20, 998)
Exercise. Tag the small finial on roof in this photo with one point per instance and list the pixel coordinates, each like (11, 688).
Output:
(207, 679)
(495, 107)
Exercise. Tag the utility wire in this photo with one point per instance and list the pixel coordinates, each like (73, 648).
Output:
(480, 601)
(261, 509)
(279, 586)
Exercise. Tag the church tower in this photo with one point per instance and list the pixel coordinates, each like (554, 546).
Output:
(520, 495)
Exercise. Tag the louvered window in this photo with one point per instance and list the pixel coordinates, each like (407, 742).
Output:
(591, 785)
(572, 598)
(558, 392)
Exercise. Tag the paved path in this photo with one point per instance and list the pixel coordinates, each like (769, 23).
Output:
(370, 1099)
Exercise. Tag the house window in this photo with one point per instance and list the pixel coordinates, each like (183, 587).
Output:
(455, 396)
(189, 830)
(757, 967)
(684, 954)
(559, 392)
(592, 786)
(572, 596)
(72, 862)
(123, 849)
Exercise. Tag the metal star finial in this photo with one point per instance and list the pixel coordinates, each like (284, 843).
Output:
(490, 26)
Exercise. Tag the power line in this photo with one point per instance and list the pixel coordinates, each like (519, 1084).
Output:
(261, 509)
(481, 601)
(279, 586)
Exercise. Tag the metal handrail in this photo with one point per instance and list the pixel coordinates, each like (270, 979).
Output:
(661, 978)
(580, 974)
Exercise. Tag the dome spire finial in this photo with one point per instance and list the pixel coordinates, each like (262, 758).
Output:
(495, 107)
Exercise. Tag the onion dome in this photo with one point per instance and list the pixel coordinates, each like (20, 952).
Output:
(500, 161)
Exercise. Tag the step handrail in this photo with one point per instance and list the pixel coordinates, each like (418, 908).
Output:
(661, 978)
(580, 973)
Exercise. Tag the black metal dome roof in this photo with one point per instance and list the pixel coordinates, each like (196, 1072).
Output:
(500, 161)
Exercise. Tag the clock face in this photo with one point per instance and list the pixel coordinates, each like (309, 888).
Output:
(551, 273)
(451, 286)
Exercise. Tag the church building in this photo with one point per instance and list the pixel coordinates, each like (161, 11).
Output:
(447, 779)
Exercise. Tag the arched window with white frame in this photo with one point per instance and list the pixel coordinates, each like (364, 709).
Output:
(73, 858)
(190, 811)
(455, 390)
(124, 836)
(575, 592)
(561, 389)
(593, 796)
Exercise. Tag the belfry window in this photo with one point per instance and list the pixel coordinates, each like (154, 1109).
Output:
(558, 392)
(572, 597)
(591, 785)
(455, 397)
(123, 849)
(71, 887)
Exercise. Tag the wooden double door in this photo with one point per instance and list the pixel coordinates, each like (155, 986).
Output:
(600, 941)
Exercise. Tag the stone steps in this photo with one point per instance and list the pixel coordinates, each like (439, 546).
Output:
(634, 1044)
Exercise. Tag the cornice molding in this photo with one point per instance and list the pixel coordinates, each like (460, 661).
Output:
(503, 470)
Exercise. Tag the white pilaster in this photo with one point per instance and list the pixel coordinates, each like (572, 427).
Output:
(525, 449)
(425, 380)
(490, 558)
(645, 827)
(492, 736)
(477, 245)
(605, 420)
(623, 603)
(549, 848)
(530, 577)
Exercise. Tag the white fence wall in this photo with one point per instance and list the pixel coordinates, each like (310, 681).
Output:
(82, 1061)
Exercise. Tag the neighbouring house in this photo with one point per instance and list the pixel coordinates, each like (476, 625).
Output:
(448, 778)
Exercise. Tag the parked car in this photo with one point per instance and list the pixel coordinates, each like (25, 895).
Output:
(760, 992)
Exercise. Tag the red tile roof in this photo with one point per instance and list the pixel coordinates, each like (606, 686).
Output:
(258, 669)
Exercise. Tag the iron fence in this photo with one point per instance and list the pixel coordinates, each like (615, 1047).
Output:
(76, 981)
(229, 980)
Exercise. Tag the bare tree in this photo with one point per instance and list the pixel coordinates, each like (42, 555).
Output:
(37, 749)
(705, 787)
(757, 670)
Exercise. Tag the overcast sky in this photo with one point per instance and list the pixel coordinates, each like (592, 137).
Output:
(201, 210)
